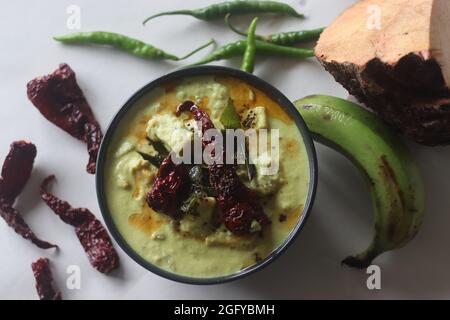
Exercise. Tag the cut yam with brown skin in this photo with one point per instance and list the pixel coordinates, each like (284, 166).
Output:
(394, 56)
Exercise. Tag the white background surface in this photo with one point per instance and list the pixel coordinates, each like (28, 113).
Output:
(340, 223)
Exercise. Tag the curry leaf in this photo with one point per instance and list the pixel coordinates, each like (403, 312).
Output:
(230, 118)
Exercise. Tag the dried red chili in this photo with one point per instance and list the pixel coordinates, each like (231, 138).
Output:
(171, 188)
(238, 204)
(92, 235)
(16, 171)
(44, 280)
(199, 115)
(59, 98)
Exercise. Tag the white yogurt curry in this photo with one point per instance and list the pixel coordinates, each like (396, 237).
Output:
(197, 244)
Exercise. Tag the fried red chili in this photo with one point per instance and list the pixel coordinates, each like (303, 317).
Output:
(238, 204)
(44, 280)
(59, 98)
(172, 186)
(16, 171)
(92, 235)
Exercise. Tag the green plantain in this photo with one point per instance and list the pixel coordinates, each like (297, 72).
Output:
(394, 180)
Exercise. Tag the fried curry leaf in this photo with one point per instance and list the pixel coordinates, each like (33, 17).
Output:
(154, 160)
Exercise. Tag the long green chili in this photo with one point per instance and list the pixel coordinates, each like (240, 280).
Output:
(248, 61)
(284, 38)
(236, 49)
(130, 45)
(219, 10)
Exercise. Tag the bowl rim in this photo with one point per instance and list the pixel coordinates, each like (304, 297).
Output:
(251, 79)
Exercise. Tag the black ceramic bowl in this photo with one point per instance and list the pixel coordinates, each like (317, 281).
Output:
(272, 92)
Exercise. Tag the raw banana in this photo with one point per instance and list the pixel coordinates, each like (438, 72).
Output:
(394, 180)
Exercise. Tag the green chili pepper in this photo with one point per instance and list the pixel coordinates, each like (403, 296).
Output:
(294, 37)
(132, 46)
(283, 38)
(236, 49)
(248, 61)
(219, 10)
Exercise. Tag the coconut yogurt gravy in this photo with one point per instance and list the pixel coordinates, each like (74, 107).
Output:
(197, 244)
